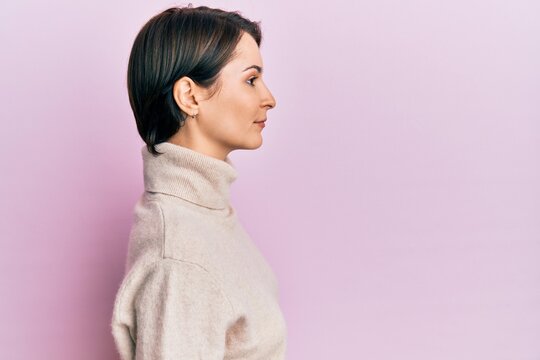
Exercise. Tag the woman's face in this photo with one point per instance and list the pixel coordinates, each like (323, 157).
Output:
(227, 120)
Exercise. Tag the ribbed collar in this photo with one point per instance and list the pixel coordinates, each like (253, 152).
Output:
(188, 174)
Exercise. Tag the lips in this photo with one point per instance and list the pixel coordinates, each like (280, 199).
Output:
(260, 121)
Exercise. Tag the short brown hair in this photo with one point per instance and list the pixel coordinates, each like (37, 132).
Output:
(181, 41)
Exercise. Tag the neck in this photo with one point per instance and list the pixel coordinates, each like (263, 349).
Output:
(188, 139)
(190, 175)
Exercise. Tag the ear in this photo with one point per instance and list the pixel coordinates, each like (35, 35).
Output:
(184, 93)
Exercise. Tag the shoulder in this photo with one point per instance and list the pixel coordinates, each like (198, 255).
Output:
(155, 219)
(147, 232)
(147, 217)
(165, 227)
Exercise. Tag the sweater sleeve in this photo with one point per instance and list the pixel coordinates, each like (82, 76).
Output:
(180, 313)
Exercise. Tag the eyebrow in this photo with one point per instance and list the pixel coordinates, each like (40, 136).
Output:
(256, 67)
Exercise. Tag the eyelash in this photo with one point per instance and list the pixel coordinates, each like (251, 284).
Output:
(250, 79)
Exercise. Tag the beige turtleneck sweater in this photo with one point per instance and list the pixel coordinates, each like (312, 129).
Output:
(195, 285)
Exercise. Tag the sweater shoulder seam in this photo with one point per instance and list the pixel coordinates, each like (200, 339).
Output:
(215, 281)
(162, 227)
(130, 278)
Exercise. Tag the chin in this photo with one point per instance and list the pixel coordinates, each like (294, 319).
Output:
(255, 144)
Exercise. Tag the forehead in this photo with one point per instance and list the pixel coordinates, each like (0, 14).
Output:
(247, 52)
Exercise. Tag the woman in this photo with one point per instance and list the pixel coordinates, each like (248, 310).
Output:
(195, 286)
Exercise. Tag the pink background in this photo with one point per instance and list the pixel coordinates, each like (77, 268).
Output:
(396, 194)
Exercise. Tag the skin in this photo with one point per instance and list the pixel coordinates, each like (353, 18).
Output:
(226, 120)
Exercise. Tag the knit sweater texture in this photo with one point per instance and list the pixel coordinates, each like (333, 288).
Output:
(195, 285)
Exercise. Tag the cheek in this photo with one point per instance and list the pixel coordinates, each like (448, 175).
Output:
(242, 105)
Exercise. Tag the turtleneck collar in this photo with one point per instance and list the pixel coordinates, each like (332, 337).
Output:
(188, 174)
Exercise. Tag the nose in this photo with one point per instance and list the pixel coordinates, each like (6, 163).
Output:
(268, 99)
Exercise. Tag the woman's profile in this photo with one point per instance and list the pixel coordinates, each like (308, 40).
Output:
(195, 285)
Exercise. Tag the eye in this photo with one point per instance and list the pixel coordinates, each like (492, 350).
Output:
(250, 81)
